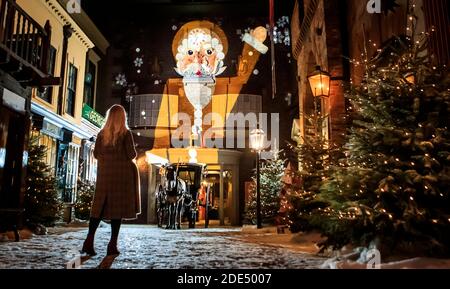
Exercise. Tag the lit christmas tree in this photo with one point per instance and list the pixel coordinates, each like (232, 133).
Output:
(315, 154)
(42, 205)
(272, 172)
(85, 196)
(392, 187)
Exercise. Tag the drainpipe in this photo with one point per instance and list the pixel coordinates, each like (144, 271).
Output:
(67, 31)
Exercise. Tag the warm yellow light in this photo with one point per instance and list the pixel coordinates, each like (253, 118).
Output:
(410, 78)
(193, 155)
(257, 139)
(319, 82)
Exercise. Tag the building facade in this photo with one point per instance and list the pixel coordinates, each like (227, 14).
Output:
(64, 117)
(332, 33)
(24, 52)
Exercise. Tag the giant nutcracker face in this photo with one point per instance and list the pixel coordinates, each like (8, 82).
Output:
(200, 54)
(199, 48)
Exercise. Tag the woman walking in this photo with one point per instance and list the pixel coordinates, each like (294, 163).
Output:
(117, 194)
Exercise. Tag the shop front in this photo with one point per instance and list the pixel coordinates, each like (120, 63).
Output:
(62, 151)
(69, 151)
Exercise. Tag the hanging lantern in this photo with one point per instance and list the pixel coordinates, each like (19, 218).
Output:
(319, 81)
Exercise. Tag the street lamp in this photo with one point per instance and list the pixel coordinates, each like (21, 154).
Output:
(410, 77)
(319, 81)
(257, 141)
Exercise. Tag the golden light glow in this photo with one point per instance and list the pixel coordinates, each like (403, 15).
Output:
(319, 82)
(257, 139)
(410, 78)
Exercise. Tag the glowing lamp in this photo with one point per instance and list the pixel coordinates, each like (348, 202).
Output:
(257, 139)
(319, 82)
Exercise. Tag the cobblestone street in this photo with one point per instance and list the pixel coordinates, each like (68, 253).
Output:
(147, 247)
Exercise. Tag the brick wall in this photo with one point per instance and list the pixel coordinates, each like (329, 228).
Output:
(343, 30)
(324, 46)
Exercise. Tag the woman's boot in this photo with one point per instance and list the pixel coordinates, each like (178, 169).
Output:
(112, 247)
(88, 246)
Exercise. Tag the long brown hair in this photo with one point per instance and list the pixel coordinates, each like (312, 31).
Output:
(115, 126)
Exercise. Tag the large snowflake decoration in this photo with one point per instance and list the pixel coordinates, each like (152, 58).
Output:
(121, 80)
(138, 62)
(282, 36)
(281, 33)
(283, 22)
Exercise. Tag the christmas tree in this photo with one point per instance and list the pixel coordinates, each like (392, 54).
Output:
(85, 191)
(42, 205)
(271, 185)
(392, 187)
(315, 154)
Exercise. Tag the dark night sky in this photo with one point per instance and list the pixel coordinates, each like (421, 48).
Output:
(105, 12)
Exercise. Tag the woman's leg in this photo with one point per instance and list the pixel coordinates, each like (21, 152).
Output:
(93, 225)
(115, 228)
(88, 246)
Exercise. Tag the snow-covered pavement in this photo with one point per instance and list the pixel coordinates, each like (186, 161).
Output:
(147, 247)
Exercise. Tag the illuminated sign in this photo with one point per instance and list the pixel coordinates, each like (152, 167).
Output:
(92, 116)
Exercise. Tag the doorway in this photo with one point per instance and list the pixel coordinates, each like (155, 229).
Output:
(12, 158)
(220, 205)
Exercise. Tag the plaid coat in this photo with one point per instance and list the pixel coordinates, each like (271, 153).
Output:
(117, 194)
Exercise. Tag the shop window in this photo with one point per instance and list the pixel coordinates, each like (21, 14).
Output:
(71, 90)
(89, 83)
(92, 175)
(88, 167)
(51, 149)
(72, 172)
(61, 171)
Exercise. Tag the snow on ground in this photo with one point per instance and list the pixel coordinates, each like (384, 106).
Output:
(146, 247)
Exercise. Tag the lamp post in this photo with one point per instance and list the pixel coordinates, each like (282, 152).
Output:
(257, 138)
